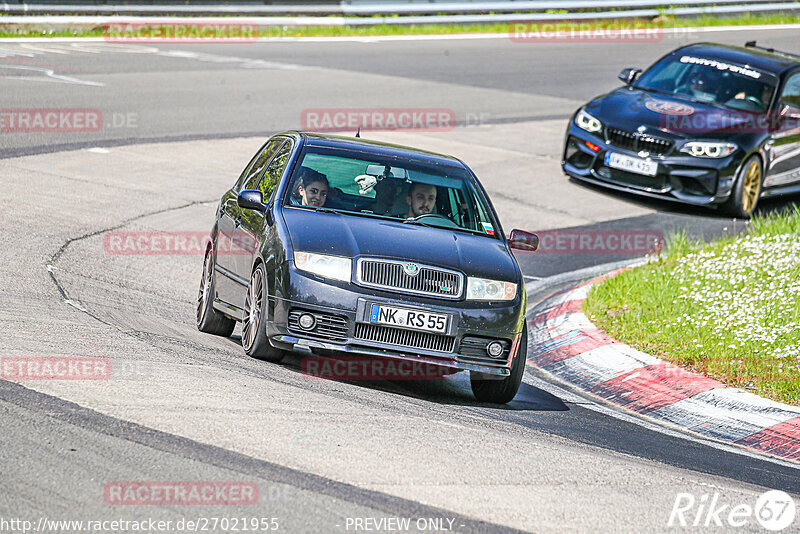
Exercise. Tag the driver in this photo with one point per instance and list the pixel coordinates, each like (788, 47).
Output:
(421, 200)
(313, 188)
(703, 85)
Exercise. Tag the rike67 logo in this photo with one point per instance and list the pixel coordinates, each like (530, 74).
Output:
(774, 510)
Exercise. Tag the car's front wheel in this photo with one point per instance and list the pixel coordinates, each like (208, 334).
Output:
(746, 190)
(254, 325)
(210, 320)
(504, 390)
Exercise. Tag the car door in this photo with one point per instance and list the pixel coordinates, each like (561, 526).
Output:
(252, 225)
(785, 161)
(230, 244)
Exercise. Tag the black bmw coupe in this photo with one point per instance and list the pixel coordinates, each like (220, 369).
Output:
(327, 244)
(707, 124)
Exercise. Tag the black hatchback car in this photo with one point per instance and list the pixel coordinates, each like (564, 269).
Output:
(707, 124)
(327, 244)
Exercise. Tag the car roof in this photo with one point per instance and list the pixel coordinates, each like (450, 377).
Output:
(376, 147)
(763, 59)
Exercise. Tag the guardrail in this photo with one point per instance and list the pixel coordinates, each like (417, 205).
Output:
(354, 8)
(364, 13)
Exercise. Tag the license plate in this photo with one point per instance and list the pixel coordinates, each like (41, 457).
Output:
(631, 164)
(419, 320)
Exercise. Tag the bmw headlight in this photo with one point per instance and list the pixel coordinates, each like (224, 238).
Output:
(587, 122)
(708, 149)
(483, 289)
(335, 267)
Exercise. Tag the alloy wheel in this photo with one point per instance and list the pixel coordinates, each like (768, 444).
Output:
(204, 294)
(252, 310)
(751, 187)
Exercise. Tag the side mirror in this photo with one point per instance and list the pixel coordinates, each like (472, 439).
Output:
(251, 200)
(629, 75)
(522, 240)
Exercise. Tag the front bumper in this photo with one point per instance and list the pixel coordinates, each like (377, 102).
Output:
(680, 177)
(342, 325)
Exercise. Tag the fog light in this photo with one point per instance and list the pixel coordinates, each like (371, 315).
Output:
(495, 349)
(307, 321)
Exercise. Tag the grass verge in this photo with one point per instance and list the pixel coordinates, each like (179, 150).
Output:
(729, 310)
(665, 22)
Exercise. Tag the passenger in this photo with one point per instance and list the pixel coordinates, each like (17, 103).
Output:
(313, 188)
(421, 200)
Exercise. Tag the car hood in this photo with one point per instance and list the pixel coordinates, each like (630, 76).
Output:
(353, 236)
(630, 108)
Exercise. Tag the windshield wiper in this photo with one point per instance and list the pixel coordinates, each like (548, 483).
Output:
(323, 209)
(421, 223)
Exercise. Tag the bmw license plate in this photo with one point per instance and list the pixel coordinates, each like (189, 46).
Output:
(631, 164)
(419, 320)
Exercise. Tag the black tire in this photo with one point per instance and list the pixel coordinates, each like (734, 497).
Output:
(208, 319)
(746, 190)
(504, 390)
(254, 324)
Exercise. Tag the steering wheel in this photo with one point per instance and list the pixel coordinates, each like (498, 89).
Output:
(754, 100)
(439, 218)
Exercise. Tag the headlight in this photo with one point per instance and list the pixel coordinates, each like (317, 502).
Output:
(707, 149)
(587, 122)
(482, 289)
(334, 267)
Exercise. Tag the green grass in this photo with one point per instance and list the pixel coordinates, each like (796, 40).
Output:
(429, 29)
(729, 309)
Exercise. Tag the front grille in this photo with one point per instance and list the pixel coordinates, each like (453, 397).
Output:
(473, 350)
(621, 138)
(404, 338)
(431, 281)
(636, 142)
(330, 327)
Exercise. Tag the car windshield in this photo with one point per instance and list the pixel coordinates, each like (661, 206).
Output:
(388, 187)
(707, 80)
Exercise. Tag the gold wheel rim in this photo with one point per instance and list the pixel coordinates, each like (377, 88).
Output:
(751, 187)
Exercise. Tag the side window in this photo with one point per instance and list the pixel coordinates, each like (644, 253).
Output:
(791, 91)
(250, 176)
(276, 167)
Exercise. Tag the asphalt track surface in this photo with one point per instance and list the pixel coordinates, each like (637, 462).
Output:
(184, 406)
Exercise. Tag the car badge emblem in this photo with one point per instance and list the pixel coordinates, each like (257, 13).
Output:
(411, 269)
(641, 129)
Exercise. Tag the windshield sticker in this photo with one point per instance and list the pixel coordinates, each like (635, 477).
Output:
(488, 228)
(721, 66)
(665, 107)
